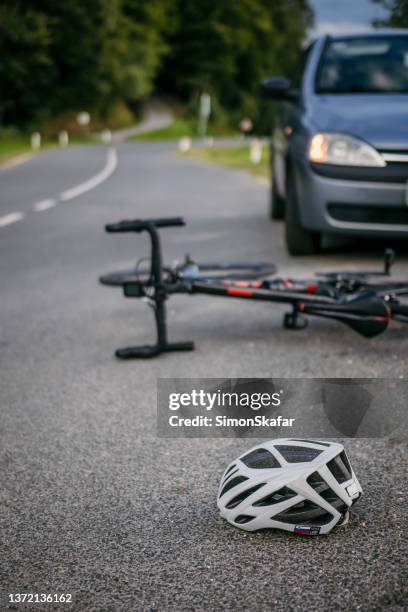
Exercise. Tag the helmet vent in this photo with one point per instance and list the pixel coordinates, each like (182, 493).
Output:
(305, 513)
(260, 459)
(235, 501)
(346, 462)
(330, 496)
(228, 476)
(340, 468)
(316, 481)
(322, 488)
(233, 483)
(231, 467)
(276, 497)
(243, 518)
(298, 454)
(311, 442)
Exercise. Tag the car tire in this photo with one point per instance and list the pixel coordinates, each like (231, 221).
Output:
(299, 241)
(277, 204)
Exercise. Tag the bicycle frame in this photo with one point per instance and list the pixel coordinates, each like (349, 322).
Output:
(160, 295)
(363, 311)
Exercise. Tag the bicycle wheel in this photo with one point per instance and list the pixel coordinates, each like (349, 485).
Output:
(194, 271)
(234, 270)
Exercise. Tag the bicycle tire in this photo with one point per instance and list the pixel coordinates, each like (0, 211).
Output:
(207, 272)
(232, 270)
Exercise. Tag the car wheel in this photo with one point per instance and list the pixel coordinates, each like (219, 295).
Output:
(277, 204)
(299, 241)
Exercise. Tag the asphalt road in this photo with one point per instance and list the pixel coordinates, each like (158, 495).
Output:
(93, 503)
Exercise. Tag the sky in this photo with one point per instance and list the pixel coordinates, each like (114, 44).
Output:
(341, 16)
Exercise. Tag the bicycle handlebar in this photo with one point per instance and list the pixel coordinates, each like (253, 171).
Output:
(138, 225)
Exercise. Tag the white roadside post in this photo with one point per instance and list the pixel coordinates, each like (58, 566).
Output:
(184, 144)
(83, 120)
(63, 138)
(245, 125)
(204, 114)
(255, 151)
(106, 136)
(36, 141)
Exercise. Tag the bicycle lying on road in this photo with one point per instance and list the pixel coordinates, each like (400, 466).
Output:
(350, 297)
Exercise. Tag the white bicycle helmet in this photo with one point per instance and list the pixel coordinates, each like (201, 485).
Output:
(302, 486)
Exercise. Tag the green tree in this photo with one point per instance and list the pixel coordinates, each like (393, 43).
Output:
(65, 56)
(85, 43)
(55, 56)
(226, 47)
(58, 56)
(145, 25)
(398, 13)
(26, 67)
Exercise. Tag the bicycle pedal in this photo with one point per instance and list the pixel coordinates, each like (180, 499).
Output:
(294, 321)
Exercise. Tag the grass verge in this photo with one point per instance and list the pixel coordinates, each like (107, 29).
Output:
(14, 144)
(177, 129)
(183, 126)
(235, 157)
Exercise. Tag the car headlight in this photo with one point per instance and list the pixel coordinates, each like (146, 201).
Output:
(343, 150)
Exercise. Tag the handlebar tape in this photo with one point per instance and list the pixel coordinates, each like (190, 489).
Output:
(138, 225)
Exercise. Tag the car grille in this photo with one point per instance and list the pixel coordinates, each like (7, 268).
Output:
(395, 156)
(393, 172)
(355, 213)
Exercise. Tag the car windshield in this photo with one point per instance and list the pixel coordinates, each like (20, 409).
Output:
(364, 65)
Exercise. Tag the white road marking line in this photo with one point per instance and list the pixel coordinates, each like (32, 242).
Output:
(110, 167)
(11, 218)
(45, 205)
(69, 194)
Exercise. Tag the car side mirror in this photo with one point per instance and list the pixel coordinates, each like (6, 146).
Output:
(278, 88)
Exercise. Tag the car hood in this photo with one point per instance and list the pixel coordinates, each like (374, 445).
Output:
(380, 119)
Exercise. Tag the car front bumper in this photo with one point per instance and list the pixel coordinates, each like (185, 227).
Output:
(352, 202)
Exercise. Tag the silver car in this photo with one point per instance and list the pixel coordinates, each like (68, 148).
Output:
(340, 145)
